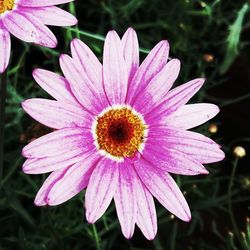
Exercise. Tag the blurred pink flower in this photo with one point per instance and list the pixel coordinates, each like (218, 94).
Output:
(26, 20)
(120, 131)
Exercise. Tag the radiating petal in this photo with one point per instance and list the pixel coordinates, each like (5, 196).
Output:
(55, 85)
(41, 3)
(153, 64)
(158, 87)
(50, 15)
(163, 142)
(101, 189)
(88, 62)
(192, 115)
(19, 26)
(45, 36)
(146, 214)
(163, 187)
(59, 142)
(41, 197)
(125, 199)
(83, 89)
(56, 114)
(52, 163)
(5, 45)
(73, 181)
(131, 52)
(115, 73)
(175, 98)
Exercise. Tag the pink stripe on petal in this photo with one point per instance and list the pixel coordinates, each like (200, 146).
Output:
(101, 189)
(52, 163)
(131, 52)
(192, 115)
(73, 182)
(5, 45)
(163, 187)
(125, 199)
(50, 15)
(89, 65)
(146, 214)
(45, 36)
(158, 87)
(59, 142)
(56, 114)
(172, 160)
(41, 3)
(83, 89)
(52, 179)
(176, 98)
(55, 85)
(153, 64)
(115, 73)
(19, 26)
(194, 145)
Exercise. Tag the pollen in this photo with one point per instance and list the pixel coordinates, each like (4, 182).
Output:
(6, 5)
(120, 132)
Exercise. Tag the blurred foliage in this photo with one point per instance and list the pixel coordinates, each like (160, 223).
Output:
(207, 36)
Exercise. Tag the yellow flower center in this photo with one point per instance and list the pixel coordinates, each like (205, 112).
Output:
(120, 132)
(6, 5)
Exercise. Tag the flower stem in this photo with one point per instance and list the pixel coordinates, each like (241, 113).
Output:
(3, 86)
(230, 207)
(97, 239)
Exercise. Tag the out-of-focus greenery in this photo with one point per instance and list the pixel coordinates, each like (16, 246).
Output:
(207, 36)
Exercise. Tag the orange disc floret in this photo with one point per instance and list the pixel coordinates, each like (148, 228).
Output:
(6, 5)
(120, 132)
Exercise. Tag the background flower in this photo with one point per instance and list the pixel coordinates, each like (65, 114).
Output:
(27, 21)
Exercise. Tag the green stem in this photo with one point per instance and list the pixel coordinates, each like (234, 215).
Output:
(97, 239)
(3, 86)
(230, 207)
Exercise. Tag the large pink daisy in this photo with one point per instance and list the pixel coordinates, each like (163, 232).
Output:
(26, 20)
(120, 131)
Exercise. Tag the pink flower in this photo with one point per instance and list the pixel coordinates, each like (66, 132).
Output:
(26, 20)
(120, 131)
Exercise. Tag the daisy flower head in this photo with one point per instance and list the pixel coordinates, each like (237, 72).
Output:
(119, 132)
(27, 20)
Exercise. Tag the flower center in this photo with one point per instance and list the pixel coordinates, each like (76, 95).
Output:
(120, 132)
(6, 5)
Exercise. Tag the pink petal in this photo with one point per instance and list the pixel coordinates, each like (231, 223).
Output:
(45, 37)
(125, 199)
(73, 182)
(41, 3)
(131, 52)
(153, 64)
(89, 65)
(174, 99)
(56, 114)
(83, 89)
(5, 45)
(146, 215)
(52, 163)
(115, 73)
(163, 187)
(59, 142)
(19, 26)
(192, 115)
(50, 15)
(158, 87)
(55, 85)
(189, 145)
(101, 189)
(41, 197)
